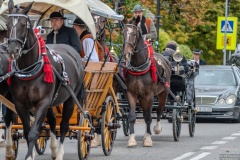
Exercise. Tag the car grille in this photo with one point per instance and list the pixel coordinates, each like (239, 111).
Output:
(205, 100)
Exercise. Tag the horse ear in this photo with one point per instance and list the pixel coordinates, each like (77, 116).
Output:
(137, 20)
(27, 9)
(10, 6)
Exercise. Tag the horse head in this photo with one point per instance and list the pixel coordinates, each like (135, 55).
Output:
(18, 26)
(100, 24)
(131, 37)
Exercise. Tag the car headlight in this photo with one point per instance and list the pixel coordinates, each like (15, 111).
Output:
(221, 101)
(231, 99)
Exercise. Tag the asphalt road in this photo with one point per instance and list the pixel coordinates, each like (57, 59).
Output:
(212, 140)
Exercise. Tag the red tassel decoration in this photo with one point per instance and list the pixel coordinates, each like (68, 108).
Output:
(153, 67)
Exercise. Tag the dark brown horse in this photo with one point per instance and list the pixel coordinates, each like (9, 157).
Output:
(10, 117)
(142, 87)
(29, 87)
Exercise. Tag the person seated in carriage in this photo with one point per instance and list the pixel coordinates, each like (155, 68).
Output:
(62, 34)
(170, 49)
(89, 46)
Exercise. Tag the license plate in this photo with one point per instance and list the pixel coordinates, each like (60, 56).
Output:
(204, 109)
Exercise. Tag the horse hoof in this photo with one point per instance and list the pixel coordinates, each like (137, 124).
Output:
(94, 143)
(157, 130)
(147, 141)
(53, 158)
(11, 158)
(132, 142)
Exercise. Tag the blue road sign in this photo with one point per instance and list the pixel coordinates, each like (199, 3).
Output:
(229, 26)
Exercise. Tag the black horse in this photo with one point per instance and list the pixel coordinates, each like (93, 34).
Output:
(139, 81)
(10, 117)
(29, 88)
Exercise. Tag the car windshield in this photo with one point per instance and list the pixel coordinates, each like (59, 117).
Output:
(215, 77)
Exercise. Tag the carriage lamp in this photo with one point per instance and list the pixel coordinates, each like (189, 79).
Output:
(231, 99)
(112, 51)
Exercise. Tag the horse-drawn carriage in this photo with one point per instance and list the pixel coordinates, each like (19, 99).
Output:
(77, 120)
(175, 97)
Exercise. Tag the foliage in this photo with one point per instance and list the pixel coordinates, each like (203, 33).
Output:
(191, 23)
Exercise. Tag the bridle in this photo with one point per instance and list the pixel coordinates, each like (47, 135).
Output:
(134, 44)
(102, 30)
(13, 33)
(144, 67)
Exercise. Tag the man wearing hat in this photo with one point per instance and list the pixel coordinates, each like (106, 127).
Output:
(170, 49)
(147, 26)
(196, 57)
(86, 40)
(62, 34)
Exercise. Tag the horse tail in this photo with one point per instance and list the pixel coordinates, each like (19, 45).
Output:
(82, 95)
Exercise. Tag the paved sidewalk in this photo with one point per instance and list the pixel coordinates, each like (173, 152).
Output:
(1, 133)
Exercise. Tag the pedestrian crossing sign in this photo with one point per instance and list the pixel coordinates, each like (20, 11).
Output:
(228, 25)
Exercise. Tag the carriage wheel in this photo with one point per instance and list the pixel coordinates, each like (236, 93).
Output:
(84, 137)
(125, 122)
(192, 119)
(41, 145)
(176, 121)
(108, 129)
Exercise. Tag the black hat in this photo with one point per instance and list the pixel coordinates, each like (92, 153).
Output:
(79, 22)
(56, 15)
(171, 45)
(197, 51)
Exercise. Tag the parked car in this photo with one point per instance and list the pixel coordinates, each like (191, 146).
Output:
(217, 92)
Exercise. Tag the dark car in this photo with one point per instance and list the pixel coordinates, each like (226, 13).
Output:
(217, 92)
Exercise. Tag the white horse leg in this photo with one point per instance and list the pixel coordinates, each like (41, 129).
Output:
(8, 144)
(132, 142)
(53, 145)
(147, 141)
(95, 142)
(60, 152)
(157, 128)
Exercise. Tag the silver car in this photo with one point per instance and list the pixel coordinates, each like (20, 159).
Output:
(217, 92)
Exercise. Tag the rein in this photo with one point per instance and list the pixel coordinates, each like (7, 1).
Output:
(13, 30)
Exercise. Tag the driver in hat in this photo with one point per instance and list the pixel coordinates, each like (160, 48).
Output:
(62, 34)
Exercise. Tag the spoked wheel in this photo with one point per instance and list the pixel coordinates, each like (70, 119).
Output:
(108, 126)
(84, 137)
(40, 145)
(176, 121)
(192, 118)
(125, 122)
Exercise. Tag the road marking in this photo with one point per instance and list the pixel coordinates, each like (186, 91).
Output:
(209, 147)
(220, 142)
(200, 156)
(229, 138)
(184, 156)
(235, 134)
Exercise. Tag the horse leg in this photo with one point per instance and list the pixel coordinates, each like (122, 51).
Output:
(8, 118)
(53, 140)
(132, 119)
(146, 105)
(64, 125)
(34, 131)
(162, 97)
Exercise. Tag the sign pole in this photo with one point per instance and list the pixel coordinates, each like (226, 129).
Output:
(225, 34)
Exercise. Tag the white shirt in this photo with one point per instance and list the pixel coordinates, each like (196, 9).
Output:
(88, 44)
